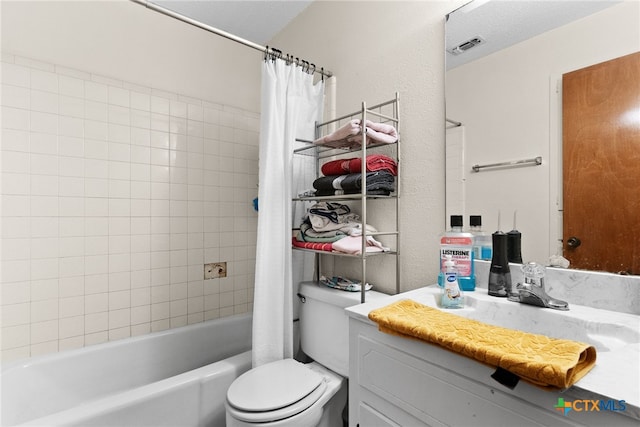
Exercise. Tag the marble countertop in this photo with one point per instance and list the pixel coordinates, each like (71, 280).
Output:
(615, 335)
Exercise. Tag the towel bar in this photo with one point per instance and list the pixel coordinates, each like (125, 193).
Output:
(455, 123)
(537, 161)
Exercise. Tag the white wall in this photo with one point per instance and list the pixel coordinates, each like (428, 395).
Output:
(376, 49)
(508, 104)
(117, 38)
(129, 159)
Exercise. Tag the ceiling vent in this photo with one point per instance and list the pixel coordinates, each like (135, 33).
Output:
(465, 46)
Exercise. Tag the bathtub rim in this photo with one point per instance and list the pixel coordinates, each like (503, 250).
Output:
(15, 377)
(25, 362)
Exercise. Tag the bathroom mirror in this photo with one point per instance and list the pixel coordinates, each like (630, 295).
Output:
(505, 62)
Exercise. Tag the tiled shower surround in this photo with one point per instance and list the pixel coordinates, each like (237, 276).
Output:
(114, 195)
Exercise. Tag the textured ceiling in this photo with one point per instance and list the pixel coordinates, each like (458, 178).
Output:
(504, 23)
(500, 23)
(255, 20)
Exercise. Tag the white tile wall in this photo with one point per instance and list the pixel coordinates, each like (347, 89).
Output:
(113, 197)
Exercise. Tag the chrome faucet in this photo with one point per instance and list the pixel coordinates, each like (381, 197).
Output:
(532, 291)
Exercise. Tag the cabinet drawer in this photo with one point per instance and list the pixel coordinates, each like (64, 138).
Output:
(436, 394)
(371, 417)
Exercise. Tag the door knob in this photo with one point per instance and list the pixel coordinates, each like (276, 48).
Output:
(573, 242)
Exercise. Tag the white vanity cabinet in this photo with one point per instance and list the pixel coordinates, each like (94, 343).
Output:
(397, 381)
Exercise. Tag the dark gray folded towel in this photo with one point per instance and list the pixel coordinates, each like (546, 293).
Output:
(378, 183)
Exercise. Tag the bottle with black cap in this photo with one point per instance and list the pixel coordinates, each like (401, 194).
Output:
(481, 240)
(459, 245)
(499, 272)
(514, 240)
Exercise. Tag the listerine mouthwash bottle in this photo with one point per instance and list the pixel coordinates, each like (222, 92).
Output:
(482, 245)
(459, 245)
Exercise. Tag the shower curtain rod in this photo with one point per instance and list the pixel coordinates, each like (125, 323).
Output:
(265, 49)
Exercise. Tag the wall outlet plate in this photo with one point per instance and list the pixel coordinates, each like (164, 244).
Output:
(214, 270)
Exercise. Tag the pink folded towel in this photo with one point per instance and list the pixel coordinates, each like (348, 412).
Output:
(353, 245)
(338, 137)
(379, 132)
(351, 133)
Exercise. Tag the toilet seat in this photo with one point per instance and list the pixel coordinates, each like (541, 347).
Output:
(274, 391)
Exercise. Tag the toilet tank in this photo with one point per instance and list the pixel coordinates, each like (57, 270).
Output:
(324, 325)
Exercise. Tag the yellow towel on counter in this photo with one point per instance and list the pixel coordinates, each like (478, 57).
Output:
(541, 360)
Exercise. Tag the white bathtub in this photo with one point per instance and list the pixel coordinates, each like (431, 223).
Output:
(177, 377)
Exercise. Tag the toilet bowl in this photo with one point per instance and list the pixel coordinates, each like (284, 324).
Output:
(297, 394)
(290, 393)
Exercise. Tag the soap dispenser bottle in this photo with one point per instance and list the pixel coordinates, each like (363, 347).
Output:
(451, 294)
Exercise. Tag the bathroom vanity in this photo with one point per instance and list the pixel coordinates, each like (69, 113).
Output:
(398, 381)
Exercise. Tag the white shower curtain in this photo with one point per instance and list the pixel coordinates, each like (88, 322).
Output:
(291, 104)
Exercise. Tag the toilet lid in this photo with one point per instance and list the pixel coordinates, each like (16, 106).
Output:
(285, 386)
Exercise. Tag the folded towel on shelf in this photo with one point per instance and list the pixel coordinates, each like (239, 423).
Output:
(370, 192)
(350, 245)
(377, 132)
(340, 135)
(329, 216)
(350, 134)
(306, 233)
(374, 162)
(353, 245)
(344, 284)
(378, 182)
(327, 247)
(357, 230)
(538, 359)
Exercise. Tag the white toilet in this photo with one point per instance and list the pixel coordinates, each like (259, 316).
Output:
(290, 393)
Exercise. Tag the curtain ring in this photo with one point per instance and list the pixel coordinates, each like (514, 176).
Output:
(266, 53)
(322, 73)
(275, 54)
(314, 69)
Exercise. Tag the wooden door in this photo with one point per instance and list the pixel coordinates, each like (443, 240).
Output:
(601, 166)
